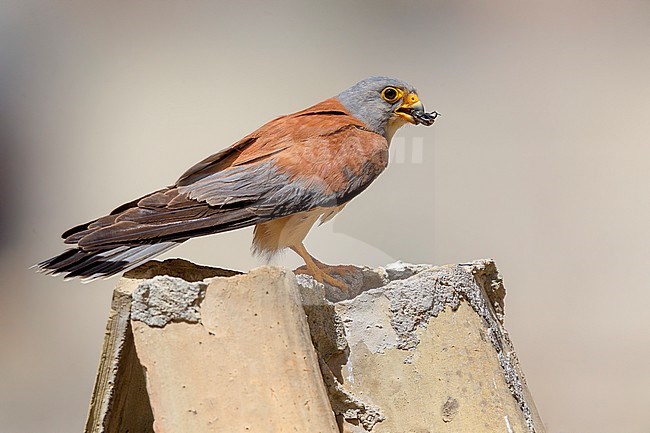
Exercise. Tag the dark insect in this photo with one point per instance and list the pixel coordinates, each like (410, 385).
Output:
(425, 118)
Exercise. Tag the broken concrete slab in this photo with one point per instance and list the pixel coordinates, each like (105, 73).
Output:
(428, 352)
(407, 348)
(120, 401)
(242, 361)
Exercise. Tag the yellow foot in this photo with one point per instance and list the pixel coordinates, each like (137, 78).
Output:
(321, 276)
(317, 269)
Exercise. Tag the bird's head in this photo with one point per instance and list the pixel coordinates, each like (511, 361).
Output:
(385, 104)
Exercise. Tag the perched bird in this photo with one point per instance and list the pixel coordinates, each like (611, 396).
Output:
(282, 178)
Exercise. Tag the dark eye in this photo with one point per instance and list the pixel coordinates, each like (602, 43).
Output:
(390, 94)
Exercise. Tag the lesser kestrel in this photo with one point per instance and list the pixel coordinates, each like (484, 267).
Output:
(282, 178)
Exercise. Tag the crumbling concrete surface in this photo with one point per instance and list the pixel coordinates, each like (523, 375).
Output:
(407, 348)
(426, 352)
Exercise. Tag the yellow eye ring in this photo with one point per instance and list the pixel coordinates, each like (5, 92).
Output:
(391, 94)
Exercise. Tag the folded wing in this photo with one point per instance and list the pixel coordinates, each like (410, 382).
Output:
(320, 157)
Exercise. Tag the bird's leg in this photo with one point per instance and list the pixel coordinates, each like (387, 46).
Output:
(318, 263)
(315, 268)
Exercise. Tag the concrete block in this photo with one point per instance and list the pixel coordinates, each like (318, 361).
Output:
(407, 348)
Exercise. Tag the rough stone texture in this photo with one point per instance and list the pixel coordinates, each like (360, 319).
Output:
(427, 352)
(400, 270)
(328, 336)
(247, 366)
(164, 299)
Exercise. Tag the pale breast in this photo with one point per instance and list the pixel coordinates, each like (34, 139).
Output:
(272, 236)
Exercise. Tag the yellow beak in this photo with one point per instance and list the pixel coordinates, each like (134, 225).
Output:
(412, 110)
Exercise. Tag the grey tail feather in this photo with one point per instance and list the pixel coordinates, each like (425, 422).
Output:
(91, 265)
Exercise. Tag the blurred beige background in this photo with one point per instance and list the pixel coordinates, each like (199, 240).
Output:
(540, 160)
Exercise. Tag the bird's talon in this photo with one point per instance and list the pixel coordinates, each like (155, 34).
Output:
(328, 279)
(322, 277)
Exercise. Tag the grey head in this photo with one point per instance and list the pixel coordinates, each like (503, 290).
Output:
(385, 104)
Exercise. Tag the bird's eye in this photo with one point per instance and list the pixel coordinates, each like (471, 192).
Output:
(390, 94)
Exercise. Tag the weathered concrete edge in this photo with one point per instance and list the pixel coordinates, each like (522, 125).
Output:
(103, 395)
(484, 273)
(418, 293)
(475, 282)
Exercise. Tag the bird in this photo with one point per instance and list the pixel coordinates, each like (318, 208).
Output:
(282, 178)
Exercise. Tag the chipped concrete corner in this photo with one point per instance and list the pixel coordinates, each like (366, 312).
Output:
(229, 354)
(163, 299)
(388, 314)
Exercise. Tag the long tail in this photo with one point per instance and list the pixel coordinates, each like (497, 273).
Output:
(92, 265)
